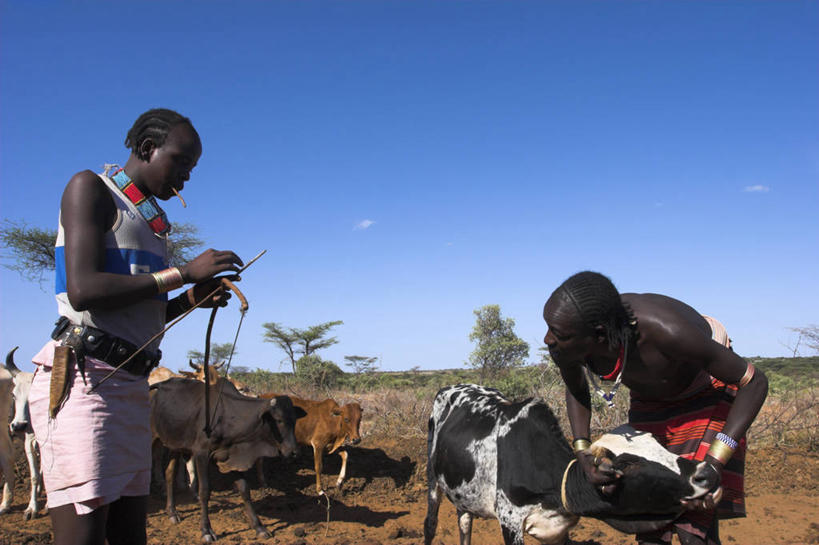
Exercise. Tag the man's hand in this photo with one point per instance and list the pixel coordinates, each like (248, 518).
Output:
(599, 470)
(203, 289)
(210, 263)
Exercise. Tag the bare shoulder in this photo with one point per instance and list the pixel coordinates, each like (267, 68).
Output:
(86, 198)
(664, 315)
(85, 181)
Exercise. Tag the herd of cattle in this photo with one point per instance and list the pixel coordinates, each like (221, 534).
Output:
(491, 457)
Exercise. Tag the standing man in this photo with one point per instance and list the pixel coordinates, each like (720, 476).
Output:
(111, 286)
(695, 395)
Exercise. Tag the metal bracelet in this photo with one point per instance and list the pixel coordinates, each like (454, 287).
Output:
(580, 443)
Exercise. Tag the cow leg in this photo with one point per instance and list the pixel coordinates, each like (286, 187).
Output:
(317, 464)
(170, 475)
(511, 535)
(33, 457)
(192, 483)
(465, 527)
(343, 472)
(241, 487)
(431, 520)
(204, 496)
(7, 468)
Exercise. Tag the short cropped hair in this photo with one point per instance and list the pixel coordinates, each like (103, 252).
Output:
(155, 125)
(598, 303)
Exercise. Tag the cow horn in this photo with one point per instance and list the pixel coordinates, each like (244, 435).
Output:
(194, 366)
(12, 368)
(219, 365)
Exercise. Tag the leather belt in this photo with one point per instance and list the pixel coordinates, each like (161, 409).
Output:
(96, 343)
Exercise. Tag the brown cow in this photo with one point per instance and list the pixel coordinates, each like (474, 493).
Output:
(326, 428)
(213, 371)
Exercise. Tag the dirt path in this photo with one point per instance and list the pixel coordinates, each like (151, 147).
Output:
(384, 502)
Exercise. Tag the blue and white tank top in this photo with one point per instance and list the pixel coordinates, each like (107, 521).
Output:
(131, 247)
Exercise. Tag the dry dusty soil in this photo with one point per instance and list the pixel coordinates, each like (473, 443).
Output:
(384, 502)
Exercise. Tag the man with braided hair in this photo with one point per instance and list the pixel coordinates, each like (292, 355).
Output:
(694, 394)
(111, 288)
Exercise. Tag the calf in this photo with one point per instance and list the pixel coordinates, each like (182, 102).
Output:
(326, 428)
(21, 425)
(243, 429)
(510, 461)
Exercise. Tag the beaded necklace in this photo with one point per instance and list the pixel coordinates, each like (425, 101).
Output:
(619, 367)
(147, 206)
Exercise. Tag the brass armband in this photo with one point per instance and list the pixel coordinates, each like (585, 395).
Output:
(168, 279)
(720, 451)
(581, 443)
(746, 378)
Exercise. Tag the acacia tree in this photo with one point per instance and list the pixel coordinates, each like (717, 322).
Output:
(218, 352)
(808, 335)
(362, 364)
(32, 248)
(299, 343)
(498, 347)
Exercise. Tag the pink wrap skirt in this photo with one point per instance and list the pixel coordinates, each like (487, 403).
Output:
(98, 448)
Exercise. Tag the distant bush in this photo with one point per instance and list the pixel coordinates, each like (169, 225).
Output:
(400, 401)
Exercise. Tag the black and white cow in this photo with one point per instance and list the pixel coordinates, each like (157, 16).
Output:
(495, 458)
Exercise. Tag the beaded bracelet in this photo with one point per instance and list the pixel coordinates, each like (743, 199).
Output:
(728, 440)
(168, 279)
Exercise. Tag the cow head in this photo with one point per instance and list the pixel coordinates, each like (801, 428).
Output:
(351, 423)
(280, 418)
(213, 371)
(21, 423)
(653, 482)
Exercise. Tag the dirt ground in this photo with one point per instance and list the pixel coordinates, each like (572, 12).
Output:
(384, 502)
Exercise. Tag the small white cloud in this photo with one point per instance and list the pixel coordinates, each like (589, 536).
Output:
(449, 243)
(360, 226)
(756, 188)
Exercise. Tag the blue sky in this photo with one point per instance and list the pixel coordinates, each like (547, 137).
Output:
(404, 163)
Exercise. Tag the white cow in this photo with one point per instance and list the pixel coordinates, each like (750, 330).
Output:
(6, 454)
(21, 425)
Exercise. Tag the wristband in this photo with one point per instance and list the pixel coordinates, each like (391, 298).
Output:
(168, 279)
(580, 443)
(721, 451)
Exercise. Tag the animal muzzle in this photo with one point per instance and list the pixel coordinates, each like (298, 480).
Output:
(289, 449)
(705, 479)
(20, 427)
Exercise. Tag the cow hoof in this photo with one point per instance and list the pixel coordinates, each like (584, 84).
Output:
(174, 518)
(29, 514)
(263, 533)
(208, 537)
